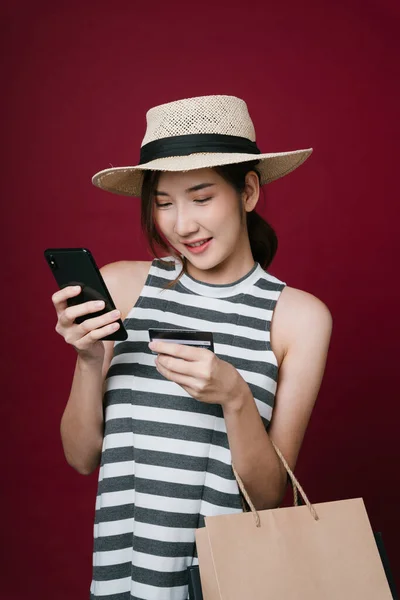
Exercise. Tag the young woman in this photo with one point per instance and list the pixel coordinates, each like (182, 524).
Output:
(166, 421)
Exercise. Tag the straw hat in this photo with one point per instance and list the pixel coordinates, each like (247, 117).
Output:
(196, 133)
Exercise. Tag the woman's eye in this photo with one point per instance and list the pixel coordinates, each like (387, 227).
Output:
(167, 204)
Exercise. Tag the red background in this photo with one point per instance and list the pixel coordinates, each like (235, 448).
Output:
(76, 82)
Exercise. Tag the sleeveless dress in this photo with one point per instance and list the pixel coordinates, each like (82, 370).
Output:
(166, 462)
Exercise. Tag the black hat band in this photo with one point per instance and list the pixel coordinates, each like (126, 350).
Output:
(183, 145)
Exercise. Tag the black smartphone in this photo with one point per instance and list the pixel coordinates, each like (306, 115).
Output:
(76, 266)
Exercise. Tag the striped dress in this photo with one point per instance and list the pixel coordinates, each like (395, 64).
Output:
(166, 462)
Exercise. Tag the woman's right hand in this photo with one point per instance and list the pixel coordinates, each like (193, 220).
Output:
(86, 336)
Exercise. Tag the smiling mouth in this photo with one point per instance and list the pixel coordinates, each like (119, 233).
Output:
(198, 244)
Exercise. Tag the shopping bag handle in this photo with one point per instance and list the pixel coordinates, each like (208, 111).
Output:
(295, 484)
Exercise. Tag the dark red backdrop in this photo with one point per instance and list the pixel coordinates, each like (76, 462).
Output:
(76, 84)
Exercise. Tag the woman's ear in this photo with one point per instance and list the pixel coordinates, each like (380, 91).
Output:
(251, 191)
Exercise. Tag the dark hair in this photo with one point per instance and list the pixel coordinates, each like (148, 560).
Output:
(263, 239)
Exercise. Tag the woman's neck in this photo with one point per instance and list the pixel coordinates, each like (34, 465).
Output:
(233, 268)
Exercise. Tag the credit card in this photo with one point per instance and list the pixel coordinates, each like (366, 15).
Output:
(188, 337)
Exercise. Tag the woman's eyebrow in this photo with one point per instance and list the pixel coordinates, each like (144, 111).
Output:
(198, 187)
(195, 188)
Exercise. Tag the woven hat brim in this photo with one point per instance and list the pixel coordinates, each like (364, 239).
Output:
(127, 181)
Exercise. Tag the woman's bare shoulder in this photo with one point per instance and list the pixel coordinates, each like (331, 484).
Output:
(298, 316)
(299, 304)
(125, 280)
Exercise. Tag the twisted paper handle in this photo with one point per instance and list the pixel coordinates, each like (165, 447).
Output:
(296, 489)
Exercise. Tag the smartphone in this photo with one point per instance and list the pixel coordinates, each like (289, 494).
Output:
(188, 337)
(76, 266)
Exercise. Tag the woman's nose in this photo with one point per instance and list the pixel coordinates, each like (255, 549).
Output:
(185, 225)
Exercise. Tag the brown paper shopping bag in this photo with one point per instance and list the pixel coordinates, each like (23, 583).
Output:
(325, 551)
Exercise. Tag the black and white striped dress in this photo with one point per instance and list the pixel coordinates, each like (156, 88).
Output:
(166, 461)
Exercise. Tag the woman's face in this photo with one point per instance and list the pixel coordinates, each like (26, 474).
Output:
(199, 214)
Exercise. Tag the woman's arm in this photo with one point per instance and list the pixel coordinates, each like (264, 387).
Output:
(82, 422)
(301, 332)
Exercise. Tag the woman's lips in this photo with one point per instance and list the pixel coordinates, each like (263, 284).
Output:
(201, 248)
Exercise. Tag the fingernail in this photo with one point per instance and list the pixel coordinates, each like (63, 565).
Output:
(99, 304)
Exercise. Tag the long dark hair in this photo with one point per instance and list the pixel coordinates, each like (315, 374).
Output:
(263, 239)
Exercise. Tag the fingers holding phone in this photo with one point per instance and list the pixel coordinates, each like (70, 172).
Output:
(93, 329)
(86, 335)
(60, 298)
(82, 288)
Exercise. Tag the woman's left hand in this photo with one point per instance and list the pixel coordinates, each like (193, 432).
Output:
(200, 372)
